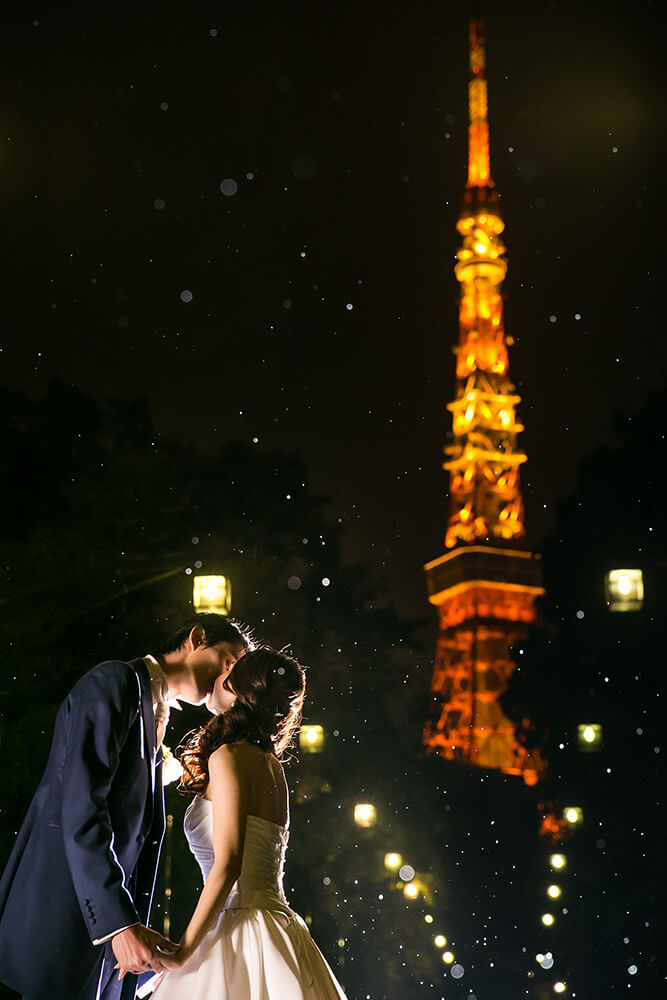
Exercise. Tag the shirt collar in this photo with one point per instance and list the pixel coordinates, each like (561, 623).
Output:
(159, 679)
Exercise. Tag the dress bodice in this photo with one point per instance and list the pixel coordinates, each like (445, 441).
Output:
(260, 883)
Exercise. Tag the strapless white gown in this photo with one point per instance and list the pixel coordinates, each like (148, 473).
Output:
(259, 949)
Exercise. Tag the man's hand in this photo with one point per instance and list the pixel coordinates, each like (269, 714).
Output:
(139, 949)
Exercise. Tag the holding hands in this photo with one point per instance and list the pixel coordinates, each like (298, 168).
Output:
(140, 949)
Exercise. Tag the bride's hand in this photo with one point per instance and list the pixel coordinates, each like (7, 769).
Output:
(177, 960)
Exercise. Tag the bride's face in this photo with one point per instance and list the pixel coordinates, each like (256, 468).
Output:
(223, 695)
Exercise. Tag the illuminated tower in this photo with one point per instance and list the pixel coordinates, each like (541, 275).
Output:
(485, 585)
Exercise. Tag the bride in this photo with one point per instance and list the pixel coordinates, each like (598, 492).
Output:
(243, 942)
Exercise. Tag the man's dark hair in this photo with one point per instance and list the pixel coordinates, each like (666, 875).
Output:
(217, 628)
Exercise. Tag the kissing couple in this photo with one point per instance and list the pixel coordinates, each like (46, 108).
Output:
(76, 894)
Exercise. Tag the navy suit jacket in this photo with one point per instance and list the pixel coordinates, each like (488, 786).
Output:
(85, 858)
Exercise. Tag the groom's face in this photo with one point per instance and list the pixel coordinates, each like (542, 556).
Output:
(210, 662)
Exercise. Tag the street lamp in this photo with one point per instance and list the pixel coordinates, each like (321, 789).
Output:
(589, 736)
(624, 589)
(212, 594)
(365, 814)
(311, 739)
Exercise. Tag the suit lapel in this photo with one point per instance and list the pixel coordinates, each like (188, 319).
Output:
(147, 714)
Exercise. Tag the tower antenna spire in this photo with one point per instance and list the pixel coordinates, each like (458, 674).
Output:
(479, 167)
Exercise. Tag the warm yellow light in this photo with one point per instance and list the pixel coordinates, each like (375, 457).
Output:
(440, 940)
(212, 594)
(311, 739)
(557, 861)
(554, 891)
(539, 958)
(411, 890)
(428, 918)
(479, 247)
(624, 589)
(589, 736)
(547, 919)
(559, 987)
(504, 418)
(448, 957)
(365, 814)
(392, 861)
(573, 815)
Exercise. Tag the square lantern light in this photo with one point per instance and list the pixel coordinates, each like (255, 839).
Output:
(365, 814)
(212, 594)
(311, 739)
(589, 736)
(624, 589)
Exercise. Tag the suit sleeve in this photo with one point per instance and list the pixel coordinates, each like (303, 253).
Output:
(103, 707)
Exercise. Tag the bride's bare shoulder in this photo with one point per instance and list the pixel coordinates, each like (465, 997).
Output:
(238, 755)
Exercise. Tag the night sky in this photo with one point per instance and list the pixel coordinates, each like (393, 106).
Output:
(246, 212)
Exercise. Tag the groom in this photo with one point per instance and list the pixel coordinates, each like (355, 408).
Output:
(76, 894)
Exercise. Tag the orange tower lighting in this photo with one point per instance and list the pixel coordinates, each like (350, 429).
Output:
(486, 584)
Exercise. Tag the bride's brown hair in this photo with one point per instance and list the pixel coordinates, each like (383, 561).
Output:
(269, 688)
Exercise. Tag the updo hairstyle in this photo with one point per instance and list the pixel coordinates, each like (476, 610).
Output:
(269, 688)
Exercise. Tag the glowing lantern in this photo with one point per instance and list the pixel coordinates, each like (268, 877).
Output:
(212, 594)
(411, 890)
(589, 736)
(573, 815)
(624, 589)
(311, 739)
(365, 814)
(448, 957)
(392, 861)
(557, 861)
(440, 940)
(547, 919)
(559, 987)
(554, 891)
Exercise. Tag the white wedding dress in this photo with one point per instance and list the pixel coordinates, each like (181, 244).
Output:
(259, 948)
